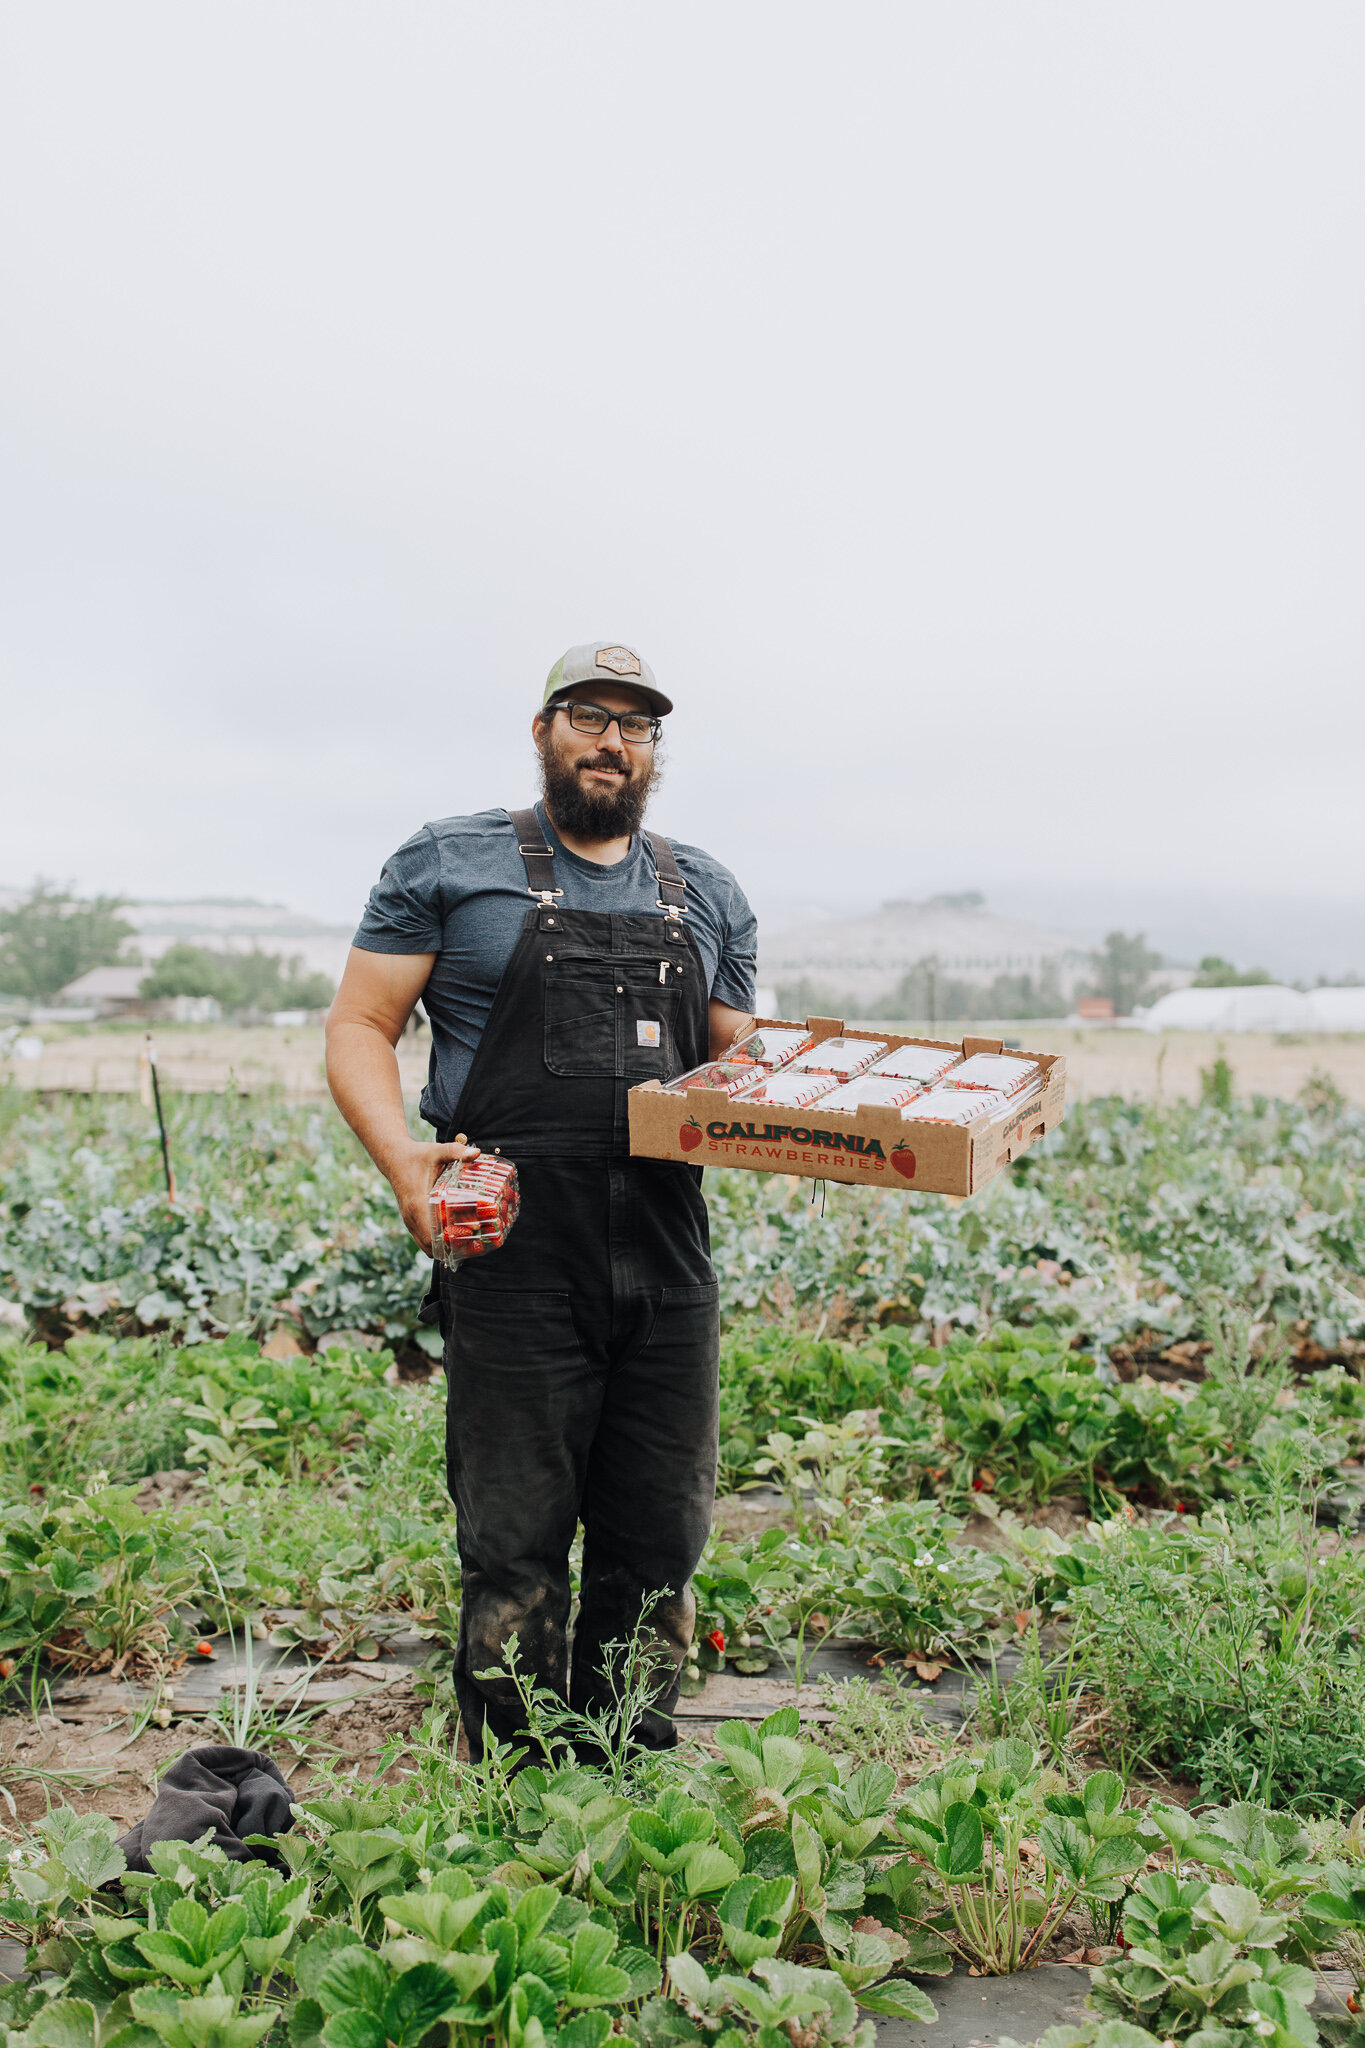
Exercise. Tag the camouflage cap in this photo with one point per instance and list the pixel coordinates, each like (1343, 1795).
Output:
(605, 661)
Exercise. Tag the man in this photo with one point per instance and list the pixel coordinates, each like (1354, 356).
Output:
(562, 955)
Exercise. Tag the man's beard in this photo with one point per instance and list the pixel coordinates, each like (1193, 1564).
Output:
(589, 813)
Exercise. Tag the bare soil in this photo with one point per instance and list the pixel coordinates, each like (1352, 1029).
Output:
(1149, 1066)
(103, 1059)
(103, 1771)
(1112, 1060)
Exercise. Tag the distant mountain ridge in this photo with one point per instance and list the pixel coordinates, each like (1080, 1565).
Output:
(868, 957)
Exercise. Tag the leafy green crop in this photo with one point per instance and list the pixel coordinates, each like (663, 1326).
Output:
(528, 1918)
(895, 1366)
(1120, 1221)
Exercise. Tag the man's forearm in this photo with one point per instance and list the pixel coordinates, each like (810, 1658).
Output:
(362, 1073)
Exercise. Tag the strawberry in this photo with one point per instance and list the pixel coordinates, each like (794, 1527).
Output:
(903, 1161)
(689, 1137)
(717, 1641)
(203, 1650)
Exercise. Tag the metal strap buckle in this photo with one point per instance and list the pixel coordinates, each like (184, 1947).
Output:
(544, 852)
(670, 909)
(546, 896)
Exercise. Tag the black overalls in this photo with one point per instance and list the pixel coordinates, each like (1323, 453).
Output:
(581, 1358)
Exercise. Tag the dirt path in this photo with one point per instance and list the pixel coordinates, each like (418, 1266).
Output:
(104, 1059)
(92, 1766)
(1148, 1066)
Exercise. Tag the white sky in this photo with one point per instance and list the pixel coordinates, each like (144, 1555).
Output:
(960, 404)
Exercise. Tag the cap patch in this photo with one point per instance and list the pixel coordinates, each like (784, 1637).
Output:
(619, 660)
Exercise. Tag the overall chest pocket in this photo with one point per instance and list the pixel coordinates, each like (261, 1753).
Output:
(612, 1016)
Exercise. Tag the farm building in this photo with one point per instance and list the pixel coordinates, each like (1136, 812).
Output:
(108, 991)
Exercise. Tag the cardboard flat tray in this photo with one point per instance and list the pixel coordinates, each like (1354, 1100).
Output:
(875, 1147)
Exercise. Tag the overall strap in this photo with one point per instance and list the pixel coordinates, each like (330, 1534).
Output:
(536, 856)
(672, 888)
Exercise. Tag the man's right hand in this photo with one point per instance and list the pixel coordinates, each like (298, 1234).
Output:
(412, 1175)
(364, 1025)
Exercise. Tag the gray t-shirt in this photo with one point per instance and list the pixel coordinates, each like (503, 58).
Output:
(457, 889)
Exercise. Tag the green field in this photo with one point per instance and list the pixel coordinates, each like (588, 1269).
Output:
(1094, 1438)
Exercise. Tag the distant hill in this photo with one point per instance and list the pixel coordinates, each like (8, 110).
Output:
(239, 925)
(867, 959)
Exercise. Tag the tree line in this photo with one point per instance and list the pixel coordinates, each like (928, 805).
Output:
(50, 938)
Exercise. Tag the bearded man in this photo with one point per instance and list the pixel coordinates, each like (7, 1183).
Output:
(562, 955)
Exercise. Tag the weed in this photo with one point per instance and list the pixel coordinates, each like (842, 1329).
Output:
(1216, 1084)
(633, 1671)
(876, 1721)
(1225, 1649)
(1046, 1702)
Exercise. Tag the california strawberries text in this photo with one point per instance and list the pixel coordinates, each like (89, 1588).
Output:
(831, 1141)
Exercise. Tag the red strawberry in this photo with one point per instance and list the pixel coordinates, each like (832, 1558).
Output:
(717, 1641)
(903, 1161)
(689, 1137)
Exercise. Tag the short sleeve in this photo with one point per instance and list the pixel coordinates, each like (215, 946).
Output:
(403, 914)
(737, 966)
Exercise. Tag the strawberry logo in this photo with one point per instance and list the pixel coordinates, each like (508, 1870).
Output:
(689, 1137)
(903, 1161)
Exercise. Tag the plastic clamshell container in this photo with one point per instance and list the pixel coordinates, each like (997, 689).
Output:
(474, 1204)
(870, 1090)
(954, 1105)
(770, 1047)
(788, 1090)
(993, 1070)
(923, 1063)
(843, 1056)
(727, 1075)
(1014, 1104)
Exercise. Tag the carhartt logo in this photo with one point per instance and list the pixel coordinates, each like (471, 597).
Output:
(646, 1031)
(619, 660)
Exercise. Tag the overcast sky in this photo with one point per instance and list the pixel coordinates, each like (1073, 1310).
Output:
(959, 404)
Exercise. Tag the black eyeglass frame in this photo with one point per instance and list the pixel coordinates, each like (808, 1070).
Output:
(572, 704)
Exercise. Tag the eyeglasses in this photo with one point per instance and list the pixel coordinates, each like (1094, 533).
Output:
(635, 727)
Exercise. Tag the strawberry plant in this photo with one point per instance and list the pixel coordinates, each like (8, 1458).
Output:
(92, 1582)
(744, 1593)
(1201, 1957)
(917, 1592)
(826, 1466)
(967, 1824)
(1033, 1414)
(785, 2003)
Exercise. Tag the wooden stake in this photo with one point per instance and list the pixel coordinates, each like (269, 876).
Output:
(149, 1063)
